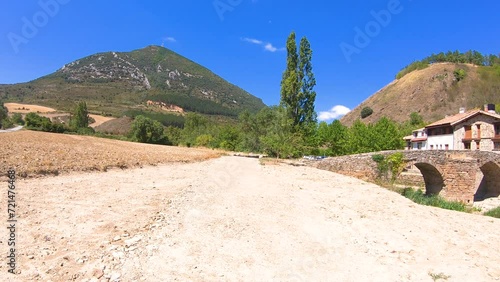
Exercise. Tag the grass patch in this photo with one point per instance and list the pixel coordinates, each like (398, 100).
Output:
(438, 276)
(493, 213)
(433, 200)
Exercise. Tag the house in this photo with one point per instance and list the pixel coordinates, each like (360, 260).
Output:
(417, 141)
(471, 130)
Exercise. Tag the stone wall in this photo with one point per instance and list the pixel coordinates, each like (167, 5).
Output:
(456, 175)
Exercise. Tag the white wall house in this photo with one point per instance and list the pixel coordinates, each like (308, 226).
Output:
(472, 130)
(417, 141)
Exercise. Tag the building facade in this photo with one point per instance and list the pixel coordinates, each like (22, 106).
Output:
(472, 130)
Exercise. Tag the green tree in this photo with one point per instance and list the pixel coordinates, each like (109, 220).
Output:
(339, 137)
(297, 85)
(194, 126)
(416, 119)
(280, 140)
(359, 138)
(3, 113)
(146, 130)
(80, 116)
(306, 76)
(366, 112)
(17, 118)
(386, 136)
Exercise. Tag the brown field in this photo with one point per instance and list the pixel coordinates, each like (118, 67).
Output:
(36, 153)
(18, 108)
(99, 120)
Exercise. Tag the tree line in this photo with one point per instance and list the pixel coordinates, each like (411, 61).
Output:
(469, 57)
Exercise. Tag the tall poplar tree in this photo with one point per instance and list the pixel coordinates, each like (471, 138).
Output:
(297, 84)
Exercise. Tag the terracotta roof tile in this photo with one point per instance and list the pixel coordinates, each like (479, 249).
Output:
(451, 120)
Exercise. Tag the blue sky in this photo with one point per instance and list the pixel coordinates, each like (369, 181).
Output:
(358, 46)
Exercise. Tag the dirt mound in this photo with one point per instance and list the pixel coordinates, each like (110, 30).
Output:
(119, 126)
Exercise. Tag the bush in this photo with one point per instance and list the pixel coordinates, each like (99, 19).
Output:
(459, 74)
(419, 197)
(7, 123)
(204, 140)
(366, 112)
(146, 130)
(35, 122)
(493, 213)
(17, 118)
(85, 131)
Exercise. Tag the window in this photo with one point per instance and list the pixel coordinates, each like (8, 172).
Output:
(477, 145)
(432, 147)
(468, 132)
(467, 145)
(446, 147)
(419, 145)
(497, 129)
(496, 146)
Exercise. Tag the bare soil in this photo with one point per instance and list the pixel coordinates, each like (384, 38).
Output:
(38, 153)
(99, 120)
(25, 108)
(233, 219)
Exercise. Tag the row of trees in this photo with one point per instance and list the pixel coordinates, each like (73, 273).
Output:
(469, 57)
(272, 131)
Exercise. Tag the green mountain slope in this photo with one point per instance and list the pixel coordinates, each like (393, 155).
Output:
(113, 83)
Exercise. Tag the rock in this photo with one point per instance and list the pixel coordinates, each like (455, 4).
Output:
(133, 241)
(115, 277)
(118, 255)
(117, 238)
(98, 273)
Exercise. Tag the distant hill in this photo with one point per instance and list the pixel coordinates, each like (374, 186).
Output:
(113, 83)
(436, 90)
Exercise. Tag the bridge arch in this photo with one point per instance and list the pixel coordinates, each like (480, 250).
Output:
(434, 182)
(490, 184)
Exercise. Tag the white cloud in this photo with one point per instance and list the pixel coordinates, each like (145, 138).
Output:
(267, 46)
(334, 113)
(253, 41)
(170, 39)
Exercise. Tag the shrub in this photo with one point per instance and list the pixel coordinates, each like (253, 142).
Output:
(419, 197)
(204, 140)
(146, 130)
(493, 213)
(366, 112)
(85, 131)
(459, 74)
(17, 118)
(6, 123)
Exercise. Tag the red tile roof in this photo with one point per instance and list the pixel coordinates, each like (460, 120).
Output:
(452, 120)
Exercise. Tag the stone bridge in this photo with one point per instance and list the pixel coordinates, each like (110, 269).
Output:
(465, 176)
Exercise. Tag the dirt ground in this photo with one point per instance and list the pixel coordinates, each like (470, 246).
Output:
(38, 153)
(233, 219)
(25, 108)
(50, 112)
(99, 120)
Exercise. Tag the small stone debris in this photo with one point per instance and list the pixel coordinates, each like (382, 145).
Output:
(115, 277)
(133, 241)
(117, 238)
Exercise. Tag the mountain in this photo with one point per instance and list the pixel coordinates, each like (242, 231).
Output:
(434, 92)
(113, 83)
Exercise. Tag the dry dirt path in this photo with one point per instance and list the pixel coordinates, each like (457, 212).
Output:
(231, 219)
